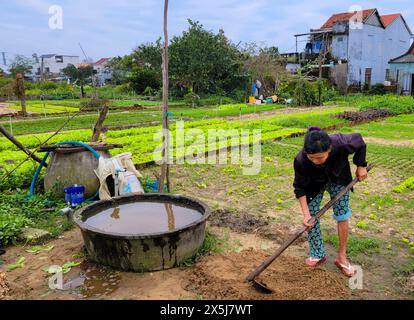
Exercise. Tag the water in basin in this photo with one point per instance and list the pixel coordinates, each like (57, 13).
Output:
(143, 217)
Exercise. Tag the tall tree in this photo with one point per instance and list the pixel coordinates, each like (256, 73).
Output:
(79, 74)
(205, 61)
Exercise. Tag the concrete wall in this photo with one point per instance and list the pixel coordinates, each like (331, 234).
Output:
(56, 67)
(340, 46)
(373, 47)
(365, 51)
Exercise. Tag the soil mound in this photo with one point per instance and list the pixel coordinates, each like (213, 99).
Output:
(223, 277)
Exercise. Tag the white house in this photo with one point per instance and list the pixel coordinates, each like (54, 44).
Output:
(358, 46)
(51, 65)
(402, 70)
(103, 71)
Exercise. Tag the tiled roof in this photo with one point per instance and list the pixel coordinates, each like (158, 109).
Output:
(389, 18)
(102, 61)
(342, 17)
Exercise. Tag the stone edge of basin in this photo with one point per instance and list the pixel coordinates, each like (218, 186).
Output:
(178, 199)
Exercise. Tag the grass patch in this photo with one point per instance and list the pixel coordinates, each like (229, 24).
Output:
(405, 269)
(356, 245)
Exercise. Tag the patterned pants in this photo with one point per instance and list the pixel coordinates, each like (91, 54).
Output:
(341, 212)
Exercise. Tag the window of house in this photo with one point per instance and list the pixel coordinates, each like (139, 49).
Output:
(59, 59)
(340, 39)
(387, 75)
(47, 69)
(368, 76)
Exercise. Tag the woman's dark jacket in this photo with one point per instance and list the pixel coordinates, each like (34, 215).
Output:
(310, 179)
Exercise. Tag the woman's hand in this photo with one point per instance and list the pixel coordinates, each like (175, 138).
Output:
(305, 210)
(361, 173)
(306, 218)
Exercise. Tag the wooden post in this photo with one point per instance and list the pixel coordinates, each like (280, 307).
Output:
(20, 92)
(165, 170)
(98, 126)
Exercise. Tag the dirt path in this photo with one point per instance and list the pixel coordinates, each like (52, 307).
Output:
(215, 276)
(4, 110)
(398, 143)
(287, 110)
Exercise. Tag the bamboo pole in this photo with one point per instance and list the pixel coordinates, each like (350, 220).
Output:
(165, 170)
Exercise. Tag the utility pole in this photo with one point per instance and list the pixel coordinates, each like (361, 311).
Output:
(3, 55)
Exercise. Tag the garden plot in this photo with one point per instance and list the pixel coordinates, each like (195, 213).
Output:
(381, 241)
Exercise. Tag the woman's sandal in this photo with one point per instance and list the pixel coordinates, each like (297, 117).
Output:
(315, 262)
(347, 270)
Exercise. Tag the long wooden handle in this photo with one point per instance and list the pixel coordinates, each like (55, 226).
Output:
(300, 231)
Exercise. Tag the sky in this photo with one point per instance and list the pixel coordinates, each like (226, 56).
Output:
(107, 28)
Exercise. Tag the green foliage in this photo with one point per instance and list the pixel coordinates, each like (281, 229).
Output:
(6, 86)
(204, 61)
(47, 85)
(304, 94)
(141, 78)
(405, 186)
(18, 211)
(10, 226)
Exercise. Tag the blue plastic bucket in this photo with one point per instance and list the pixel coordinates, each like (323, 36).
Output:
(74, 195)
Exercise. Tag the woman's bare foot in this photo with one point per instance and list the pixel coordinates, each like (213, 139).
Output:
(315, 262)
(345, 267)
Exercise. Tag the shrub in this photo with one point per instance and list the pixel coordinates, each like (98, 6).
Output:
(305, 93)
(239, 96)
(10, 226)
(377, 89)
(192, 99)
(47, 85)
(148, 91)
(143, 78)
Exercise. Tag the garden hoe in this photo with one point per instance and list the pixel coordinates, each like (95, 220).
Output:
(252, 276)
